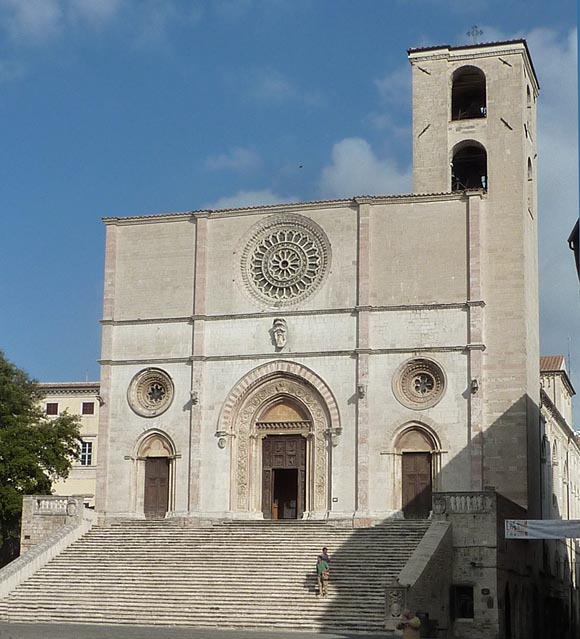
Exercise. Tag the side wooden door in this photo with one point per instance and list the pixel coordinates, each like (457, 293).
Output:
(417, 486)
(156, 487)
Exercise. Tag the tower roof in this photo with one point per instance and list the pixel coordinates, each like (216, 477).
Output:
(455, 49)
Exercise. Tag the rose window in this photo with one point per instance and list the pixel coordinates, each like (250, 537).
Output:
(285, 261)
(150, 392)
(419, 383)
(156, 393)
(423, 384)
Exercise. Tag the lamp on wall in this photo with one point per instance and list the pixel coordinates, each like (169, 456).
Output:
(474, 386)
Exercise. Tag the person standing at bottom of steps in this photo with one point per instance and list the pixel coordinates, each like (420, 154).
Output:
(322, 573)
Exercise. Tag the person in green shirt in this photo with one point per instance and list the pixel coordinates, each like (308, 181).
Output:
(322, 573)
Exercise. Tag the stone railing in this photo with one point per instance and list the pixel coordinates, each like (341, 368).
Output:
(53, 523)
(463, 503)
(423, 583)
(54, 505)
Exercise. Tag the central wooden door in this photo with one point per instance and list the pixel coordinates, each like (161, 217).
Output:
(283, 476)
(417, 489)
(156, 500)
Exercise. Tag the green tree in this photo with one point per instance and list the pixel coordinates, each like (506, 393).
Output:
(34, 450)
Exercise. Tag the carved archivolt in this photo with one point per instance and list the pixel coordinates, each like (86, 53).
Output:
(240, 419)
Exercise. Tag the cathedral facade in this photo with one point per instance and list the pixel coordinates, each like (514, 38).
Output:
(342, 359)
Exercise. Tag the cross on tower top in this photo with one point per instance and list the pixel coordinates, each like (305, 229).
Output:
(474, 33)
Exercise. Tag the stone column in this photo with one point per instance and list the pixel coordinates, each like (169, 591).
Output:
(363, 349)
(101, 491)
(475, 341)
(198, 351)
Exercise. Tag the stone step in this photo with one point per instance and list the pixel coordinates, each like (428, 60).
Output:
(231, 574)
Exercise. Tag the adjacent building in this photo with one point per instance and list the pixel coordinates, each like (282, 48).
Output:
(82, 399)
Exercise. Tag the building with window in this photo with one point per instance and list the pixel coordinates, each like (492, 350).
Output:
(560, 457)
(350, 360)
(77, 398)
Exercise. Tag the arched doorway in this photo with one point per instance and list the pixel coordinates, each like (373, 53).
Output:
(416, 447)
(285, 426)
(280, 420)
(154, 476)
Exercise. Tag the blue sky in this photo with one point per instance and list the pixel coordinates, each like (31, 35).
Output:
(129, 107)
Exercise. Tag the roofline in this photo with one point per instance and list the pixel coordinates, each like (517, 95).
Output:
(273, 208)
(482, 45)
(566, 379)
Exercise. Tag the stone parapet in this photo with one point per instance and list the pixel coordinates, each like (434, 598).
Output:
(61, 520)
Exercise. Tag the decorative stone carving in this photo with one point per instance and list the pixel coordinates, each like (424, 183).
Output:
(395, 602)
(246, 428)
(419, 383)
(72, 507)
(150, 392)
(280, 332)
(285, 260)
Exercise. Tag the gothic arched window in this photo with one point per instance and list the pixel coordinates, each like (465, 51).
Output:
(468, 94)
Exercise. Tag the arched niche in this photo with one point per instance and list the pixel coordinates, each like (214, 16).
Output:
(469, 166)
(468, 94)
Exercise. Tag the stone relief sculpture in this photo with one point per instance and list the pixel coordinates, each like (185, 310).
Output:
(280, 332)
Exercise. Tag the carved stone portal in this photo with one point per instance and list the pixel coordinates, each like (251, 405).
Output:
(240, 418)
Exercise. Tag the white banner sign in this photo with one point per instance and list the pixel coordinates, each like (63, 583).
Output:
(542, 529)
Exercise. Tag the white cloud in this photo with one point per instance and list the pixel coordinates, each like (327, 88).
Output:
(395, 87)
(239, 159)
(95, 12)
(555, 59)
(31, 22)
(270, 85)
(356, 170)
(250, 198)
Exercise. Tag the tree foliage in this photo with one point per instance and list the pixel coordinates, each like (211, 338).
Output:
(34, 450)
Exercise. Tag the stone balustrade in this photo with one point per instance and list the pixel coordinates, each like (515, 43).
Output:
(463, 503)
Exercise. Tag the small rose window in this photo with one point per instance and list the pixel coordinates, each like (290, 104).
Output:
(150, 392)
(419, 383)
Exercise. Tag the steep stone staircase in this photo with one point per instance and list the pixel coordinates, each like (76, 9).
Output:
(242, 575)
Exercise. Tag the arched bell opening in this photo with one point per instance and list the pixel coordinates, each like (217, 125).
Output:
(469, 166)
(468, 94)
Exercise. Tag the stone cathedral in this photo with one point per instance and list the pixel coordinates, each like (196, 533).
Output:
(342, 359)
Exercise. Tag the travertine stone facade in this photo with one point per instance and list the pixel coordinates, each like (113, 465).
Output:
(389, 326)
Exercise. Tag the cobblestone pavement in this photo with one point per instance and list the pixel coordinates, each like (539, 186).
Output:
(83, 631)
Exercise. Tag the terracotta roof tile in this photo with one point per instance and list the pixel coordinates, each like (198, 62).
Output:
(552, 363)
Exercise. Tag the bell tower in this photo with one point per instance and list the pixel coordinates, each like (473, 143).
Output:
(474, 131)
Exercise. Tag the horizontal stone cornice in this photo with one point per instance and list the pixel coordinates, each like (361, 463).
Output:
(347, 310)
(350, 353)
